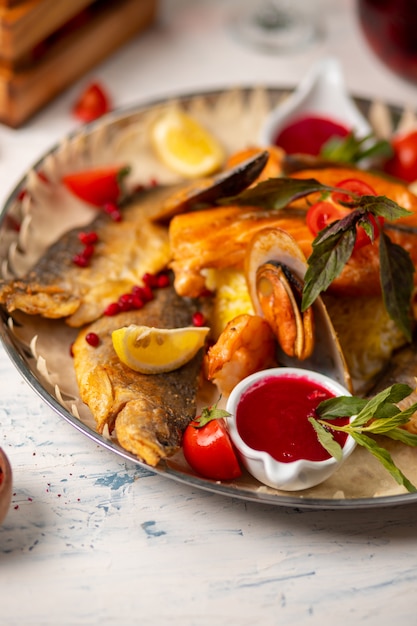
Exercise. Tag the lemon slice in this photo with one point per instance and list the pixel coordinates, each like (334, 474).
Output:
(185, 146)
(152, 350)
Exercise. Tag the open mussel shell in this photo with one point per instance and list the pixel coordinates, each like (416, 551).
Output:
(206, 191)
(275, 267)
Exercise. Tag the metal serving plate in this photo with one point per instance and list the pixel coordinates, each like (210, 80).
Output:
(37, 360)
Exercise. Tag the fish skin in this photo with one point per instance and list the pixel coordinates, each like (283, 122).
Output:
(58, 288)
(148, 413)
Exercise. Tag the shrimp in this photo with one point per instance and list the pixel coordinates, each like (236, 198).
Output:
(246, 345)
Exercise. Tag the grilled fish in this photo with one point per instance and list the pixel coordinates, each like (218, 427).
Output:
(56, 287)
(218, 238)
(148, 413)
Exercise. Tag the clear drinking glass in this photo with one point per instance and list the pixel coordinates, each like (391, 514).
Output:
(277, 26)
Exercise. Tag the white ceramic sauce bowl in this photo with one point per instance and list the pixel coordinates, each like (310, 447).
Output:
(294, 475)
(322, 92)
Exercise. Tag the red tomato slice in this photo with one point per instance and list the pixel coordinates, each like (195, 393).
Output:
(403, 164)
(209, 450)
(97, 186)
(93, 103)
(360, 188)
(321, 214)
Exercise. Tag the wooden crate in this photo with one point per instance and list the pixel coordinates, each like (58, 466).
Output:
(45, 45)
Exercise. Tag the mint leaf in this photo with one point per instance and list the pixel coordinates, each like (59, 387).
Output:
(385, 458)
(377, 406)
(327, 440)
(350, 149)
(342, 406)
(400, 434)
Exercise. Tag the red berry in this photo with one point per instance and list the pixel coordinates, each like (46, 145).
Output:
(112, 309)
(88, 238)
(92, 339)
(198, 319)
(163, 281)
(125, 302)
(137, 303)
(150, 280)
(80, 260)
(116, 216)
(88, 251)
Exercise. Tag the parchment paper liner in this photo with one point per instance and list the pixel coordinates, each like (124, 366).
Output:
(46, 210)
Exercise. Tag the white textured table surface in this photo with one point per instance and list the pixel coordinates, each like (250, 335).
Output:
(92, 539)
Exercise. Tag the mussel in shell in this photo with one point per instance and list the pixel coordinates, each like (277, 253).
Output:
(275, 267)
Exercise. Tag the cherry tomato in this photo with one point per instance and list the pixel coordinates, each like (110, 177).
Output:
(97, 186)
(324, 213)
(321, 214)
(403, 164)
(209, 450)
(359, 187)
(93, 103)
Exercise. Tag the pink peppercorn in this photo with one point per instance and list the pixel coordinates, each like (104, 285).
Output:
(112, 309)
(80, 260)
(198, 319)
(92, 339)
(163, 281)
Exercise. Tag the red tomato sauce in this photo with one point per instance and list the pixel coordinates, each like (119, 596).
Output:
(308, 134)
(272, 416)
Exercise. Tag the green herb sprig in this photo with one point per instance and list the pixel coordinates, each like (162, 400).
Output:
(333, 246)
(378, 416)
(351, 149)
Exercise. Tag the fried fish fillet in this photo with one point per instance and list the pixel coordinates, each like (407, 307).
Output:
(56, 287)
(147, 412)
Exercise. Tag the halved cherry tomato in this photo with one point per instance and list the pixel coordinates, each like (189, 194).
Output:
(97, 186)
(321, 214)
(403, 164)
(359, 187)
(93, 103)
(209, 450)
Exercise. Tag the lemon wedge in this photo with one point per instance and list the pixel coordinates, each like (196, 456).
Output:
(152, 350)
(184, 145)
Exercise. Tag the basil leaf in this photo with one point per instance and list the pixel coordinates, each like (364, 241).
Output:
(385, 458)
(327, 440)
(395, 263)
(330, 255)
(276, 193)
(382, 206)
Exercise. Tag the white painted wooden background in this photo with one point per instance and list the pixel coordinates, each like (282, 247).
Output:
(92, 539)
